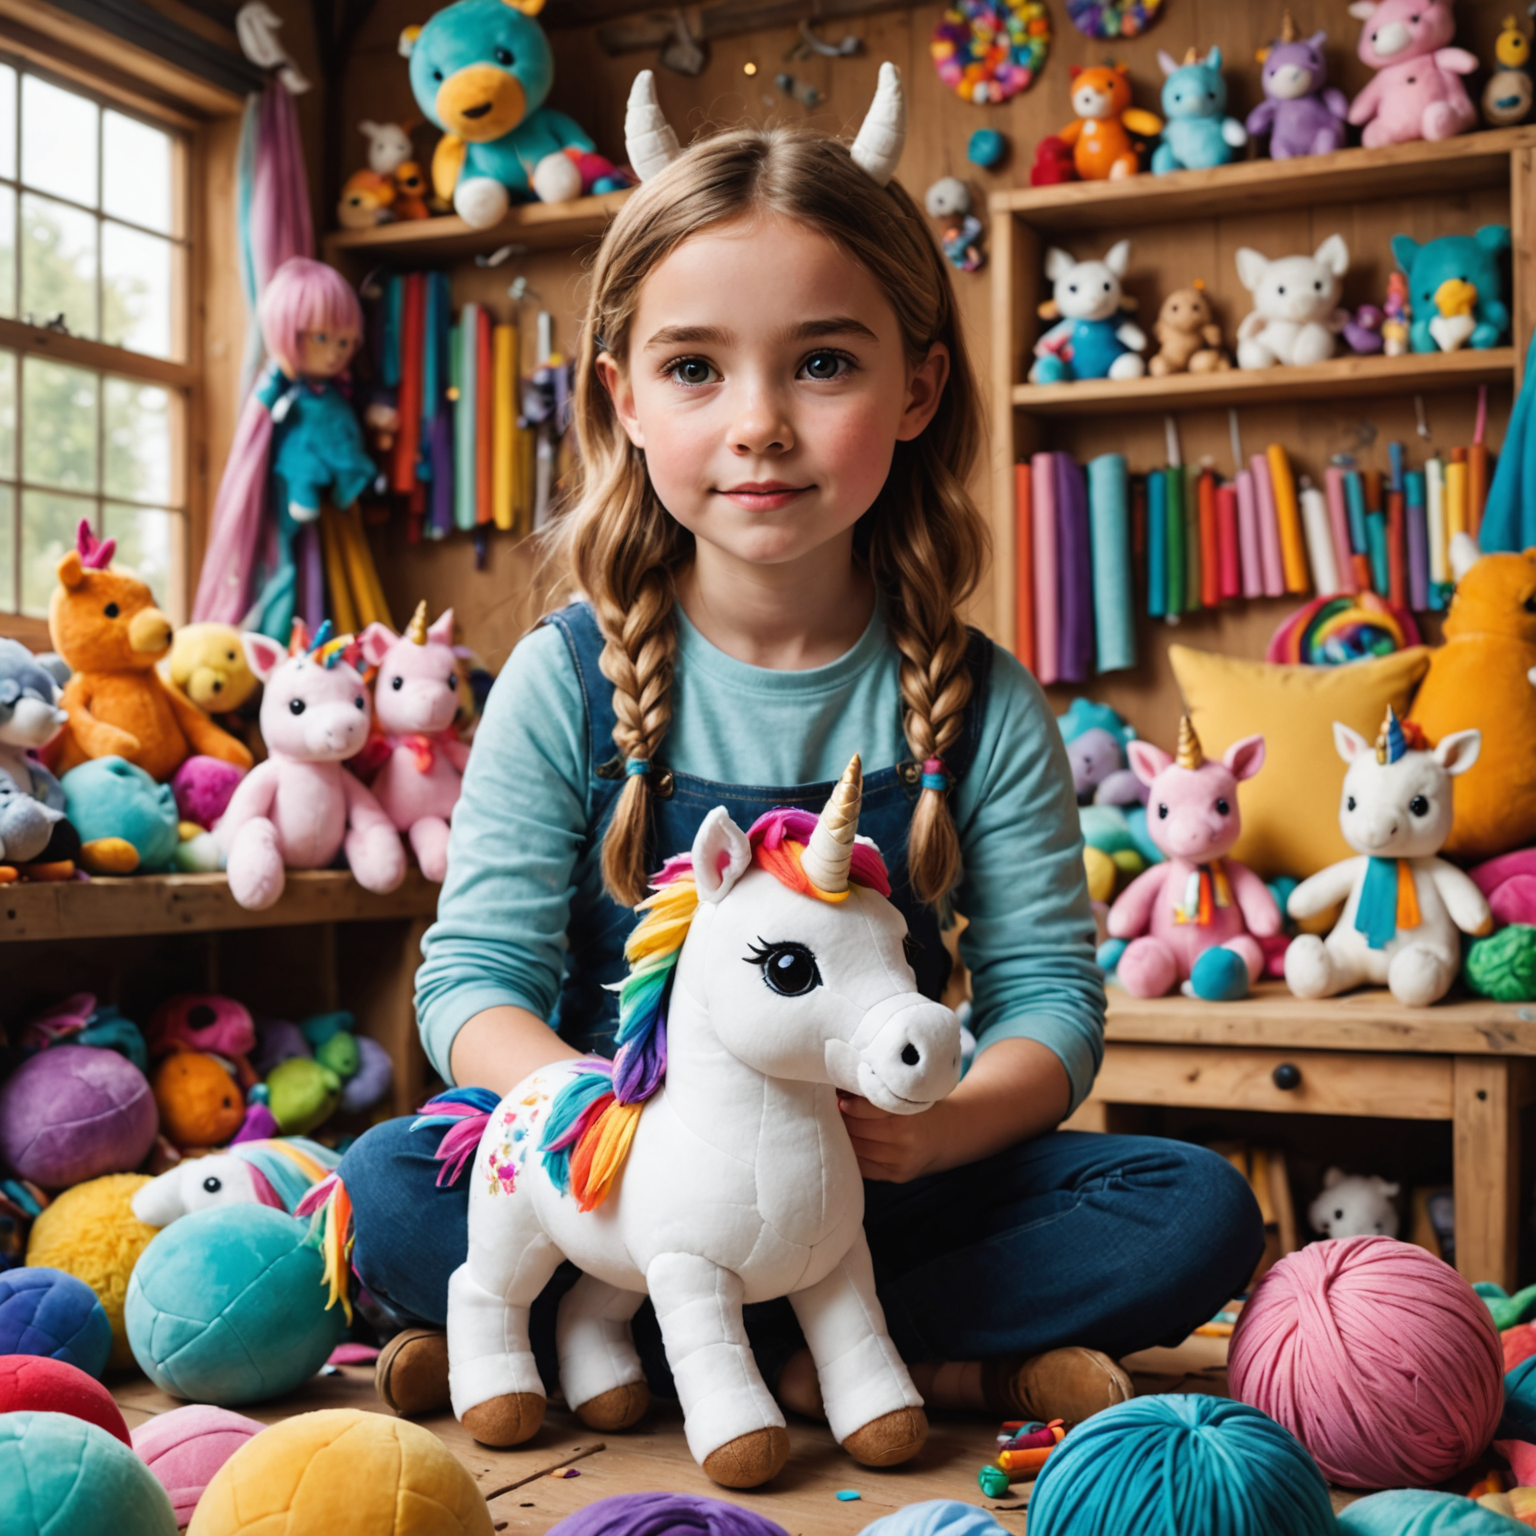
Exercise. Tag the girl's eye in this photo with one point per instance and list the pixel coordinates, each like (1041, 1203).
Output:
(691, 372)
(825, 366)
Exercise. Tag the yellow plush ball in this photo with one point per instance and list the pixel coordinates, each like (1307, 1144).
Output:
(90, 1232)
(1101, 874)
(342, 1472)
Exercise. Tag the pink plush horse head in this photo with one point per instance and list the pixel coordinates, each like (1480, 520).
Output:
(417, 691)
(1399, 30)
(315, 707)
(1192, 802)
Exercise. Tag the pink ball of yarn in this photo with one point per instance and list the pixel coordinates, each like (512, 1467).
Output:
(1377, 1356)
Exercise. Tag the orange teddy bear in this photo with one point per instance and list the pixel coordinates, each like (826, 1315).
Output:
(1102, 149)
(1479, 678)
(104, 623)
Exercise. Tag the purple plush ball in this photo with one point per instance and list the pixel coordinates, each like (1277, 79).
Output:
(73, 1113)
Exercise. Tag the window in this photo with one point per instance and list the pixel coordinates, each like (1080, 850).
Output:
(93, 382)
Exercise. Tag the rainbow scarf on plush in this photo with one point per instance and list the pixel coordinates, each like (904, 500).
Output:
(1388, 901)
(1206, 889)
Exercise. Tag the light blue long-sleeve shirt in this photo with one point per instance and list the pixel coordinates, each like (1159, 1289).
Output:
(517, 857)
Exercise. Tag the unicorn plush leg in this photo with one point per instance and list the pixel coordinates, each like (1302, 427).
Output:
(734, 1427)
(495, 1386)
(1314, 969)
(871, 1404)
(600, 1373)
(429, 842)
(1147, 968)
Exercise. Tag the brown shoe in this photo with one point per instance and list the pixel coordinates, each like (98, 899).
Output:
(1071, 1384)
(412, 1372)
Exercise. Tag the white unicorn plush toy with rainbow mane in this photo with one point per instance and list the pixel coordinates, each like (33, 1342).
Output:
(1403, 907)
(767, 972)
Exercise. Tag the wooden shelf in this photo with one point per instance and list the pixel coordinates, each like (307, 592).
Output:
(1267, 186)
(1417, 373)
(432, 242)
(1368, 1020)
(152, 904)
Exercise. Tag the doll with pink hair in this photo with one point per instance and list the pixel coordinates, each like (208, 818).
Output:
(297, 439)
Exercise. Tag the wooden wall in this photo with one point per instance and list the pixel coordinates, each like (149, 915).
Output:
(591, 86)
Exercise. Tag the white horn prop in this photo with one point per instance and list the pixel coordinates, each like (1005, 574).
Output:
(877, 149)
(649, 140)
(829, 855)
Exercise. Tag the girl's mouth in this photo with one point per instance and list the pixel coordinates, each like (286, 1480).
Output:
(763, 495)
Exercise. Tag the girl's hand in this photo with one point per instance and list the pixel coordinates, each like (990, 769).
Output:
(892, 1148)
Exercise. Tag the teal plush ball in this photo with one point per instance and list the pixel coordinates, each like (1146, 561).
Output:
(1219, 976)
(1422, 1512)
(227, 1306)
(59, 1474)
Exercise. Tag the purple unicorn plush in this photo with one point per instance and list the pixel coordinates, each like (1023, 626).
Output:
(1199, 900)
(1300, 112)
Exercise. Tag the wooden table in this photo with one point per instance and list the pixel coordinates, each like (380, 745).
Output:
(1470, 1063)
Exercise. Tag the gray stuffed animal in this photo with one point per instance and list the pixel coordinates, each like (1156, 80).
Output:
(33, 827)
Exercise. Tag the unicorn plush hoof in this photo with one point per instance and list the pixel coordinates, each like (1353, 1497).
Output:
(889, 1440)
(501, 1422)
(751, 1460)
(619, 1408)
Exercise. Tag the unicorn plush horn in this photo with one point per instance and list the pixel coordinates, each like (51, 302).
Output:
(829, 854)
(649, 140)
(877, 149)
(1189, 755)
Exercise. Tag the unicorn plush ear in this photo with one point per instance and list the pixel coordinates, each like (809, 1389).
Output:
(375, 640)
(1057, 263)
(441, 632)
(265, 656)
(1459, 751)
(1146, 760)
(1349, 744)
(1166, 61)
(1118, 257)
(1244, 758)
(721, 854)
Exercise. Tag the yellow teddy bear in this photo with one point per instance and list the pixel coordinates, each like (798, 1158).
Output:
(207, 663)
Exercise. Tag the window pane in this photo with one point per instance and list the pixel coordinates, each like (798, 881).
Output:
(7, 549)
(58, 141)
(138, 442)
(136, 290)
(48, 524)
(7, 127)
(7, 253)
(58, 264)
(149, 543)
(59, 409)
(136, 172)
(7, 421)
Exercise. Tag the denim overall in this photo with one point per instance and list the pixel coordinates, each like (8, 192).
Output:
(1119, 1242)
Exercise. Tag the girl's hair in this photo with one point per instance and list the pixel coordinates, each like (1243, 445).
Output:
(303, 295)
(923, 541)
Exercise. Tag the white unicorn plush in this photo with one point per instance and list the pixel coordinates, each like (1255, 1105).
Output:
(767, 972)
(1402, 905)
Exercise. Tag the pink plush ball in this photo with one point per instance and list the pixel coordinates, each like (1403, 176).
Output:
(1377, 1356)
(186, 1446)
(53, 1386)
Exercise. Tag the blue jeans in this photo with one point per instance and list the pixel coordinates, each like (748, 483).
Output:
(1115, 1242)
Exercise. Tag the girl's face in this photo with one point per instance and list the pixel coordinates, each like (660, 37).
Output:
(324, 354)
(767, 383)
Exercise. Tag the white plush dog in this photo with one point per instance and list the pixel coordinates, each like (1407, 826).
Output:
(1354, 1206)
(1295, 317)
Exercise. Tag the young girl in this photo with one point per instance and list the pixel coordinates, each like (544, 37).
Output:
(774, 540)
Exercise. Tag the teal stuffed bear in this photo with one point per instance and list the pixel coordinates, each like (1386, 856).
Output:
(481, 70)
(109, 797)
(1456, 289)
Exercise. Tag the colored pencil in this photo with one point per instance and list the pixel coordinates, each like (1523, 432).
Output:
(1248, 535)
(1043, 512)
(1231, 583)
(1314, 520)
(1397, 553)
(1293, 551)
(1178, 567)
(1269, 527)
(1338, 522)
(1210, 541)
(1456, 495)
(1157, 544)
(1434, 501)
(1023, 567)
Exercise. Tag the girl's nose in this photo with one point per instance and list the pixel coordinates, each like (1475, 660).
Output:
(762, 428)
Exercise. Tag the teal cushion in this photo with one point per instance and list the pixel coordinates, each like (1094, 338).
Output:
(59, 1474)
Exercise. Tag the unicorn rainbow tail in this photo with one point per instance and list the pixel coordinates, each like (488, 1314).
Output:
(466, 1112)
(588, 1135)
(329, 1208)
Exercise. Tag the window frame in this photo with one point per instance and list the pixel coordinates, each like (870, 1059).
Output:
(180, 375)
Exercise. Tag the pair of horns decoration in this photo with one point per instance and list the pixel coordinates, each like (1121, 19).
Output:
(652, 145)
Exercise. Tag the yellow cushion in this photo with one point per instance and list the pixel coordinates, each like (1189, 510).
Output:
(1291, 808)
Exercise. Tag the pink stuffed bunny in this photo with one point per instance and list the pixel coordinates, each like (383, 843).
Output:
(1417, 91)
(415, 698)
(300, 808)
(1198, 900)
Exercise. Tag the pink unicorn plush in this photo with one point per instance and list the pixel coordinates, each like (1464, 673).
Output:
(415, 699)
(1417, 91)
(1198, 900)
(300, 808)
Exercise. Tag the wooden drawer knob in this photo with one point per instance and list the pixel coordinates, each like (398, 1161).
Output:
(1287, 1076)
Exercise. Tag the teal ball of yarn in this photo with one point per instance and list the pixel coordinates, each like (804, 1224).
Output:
(1519, 1421)
(1421, 1512)
(58, 1473)
(936, 1517)
(1180, 1466)
(1219, 976)
(227, 1306)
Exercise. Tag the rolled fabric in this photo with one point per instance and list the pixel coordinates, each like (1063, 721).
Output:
(1456, 495)
(1397, 562)
(504, 430)
(1314, 519)
(465, 419)
(1338, 522)
(1269, 527)
(1359, 539)
(1178, 567)
(1023, 568)
(1074, 565)
(1210, 540)
(1229, 547)
(1418, 540)
(1157, 544)
(1193, 548)
(1293, 554)
(1477, 486)
(1248, 542)
(1114, 619)
(485, 421)
(1434, 503)
(402, 476)
(1043, 510)
(1376, 531)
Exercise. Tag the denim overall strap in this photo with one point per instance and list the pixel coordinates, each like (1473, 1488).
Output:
(587, 1013)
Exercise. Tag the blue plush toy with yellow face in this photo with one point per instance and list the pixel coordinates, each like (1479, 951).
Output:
(481, 70)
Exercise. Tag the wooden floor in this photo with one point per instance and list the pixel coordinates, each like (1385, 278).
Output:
(525, 1497)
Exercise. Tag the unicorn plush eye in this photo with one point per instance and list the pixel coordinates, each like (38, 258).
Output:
(1349, 804)
(1419, 805)
(1162, 813)
(788, 967)
(1222, 808)
(213, 1185)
